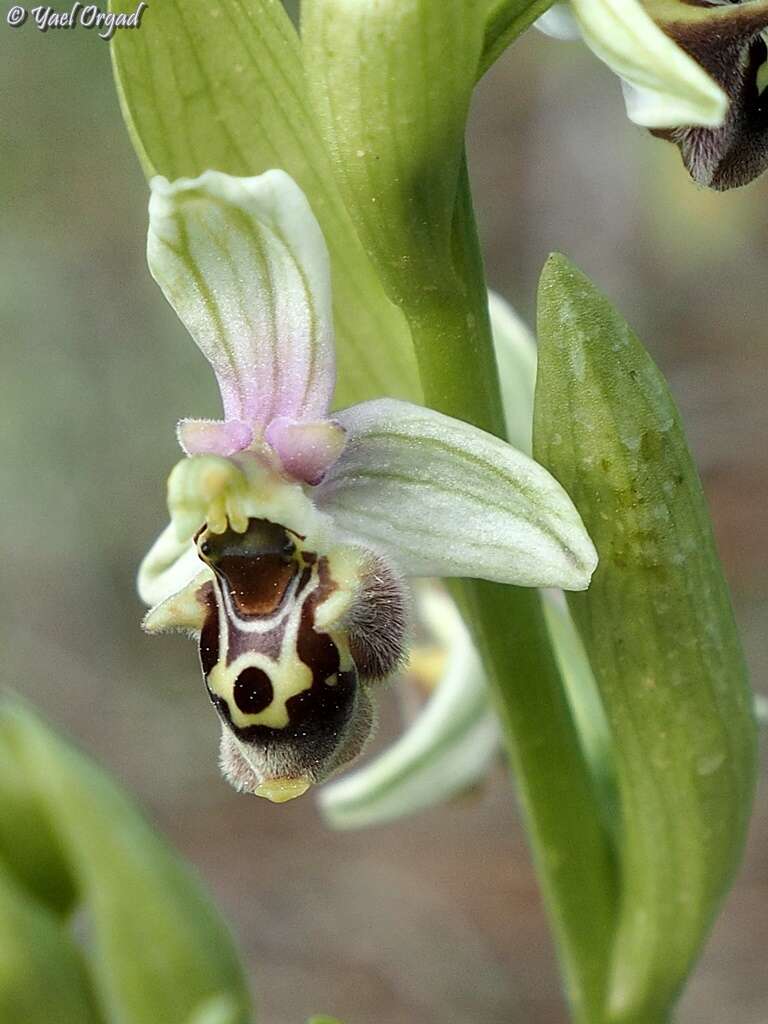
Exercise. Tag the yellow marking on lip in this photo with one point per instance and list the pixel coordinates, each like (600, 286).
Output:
(344, 565)
(182, 610)
(762, 75)
(289, 677)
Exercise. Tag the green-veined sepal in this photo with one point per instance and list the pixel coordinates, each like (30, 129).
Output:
(443, 498)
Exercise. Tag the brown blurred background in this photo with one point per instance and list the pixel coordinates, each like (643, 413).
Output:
(435, 920)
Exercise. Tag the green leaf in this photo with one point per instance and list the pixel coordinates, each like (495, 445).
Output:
(659, 630)
(516, 357)
(221, 87)
(156, 949)
(42, 976)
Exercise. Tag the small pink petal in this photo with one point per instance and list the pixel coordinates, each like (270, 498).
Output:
(213, 437)
(306, 450)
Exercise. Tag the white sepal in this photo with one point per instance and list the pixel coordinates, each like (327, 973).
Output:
(442, 498)
(558, 22)
(168, 566)
(447, 749)
(515, 350)
(666, 87)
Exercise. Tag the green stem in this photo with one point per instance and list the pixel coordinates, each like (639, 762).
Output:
(507, 19)
(571, 849)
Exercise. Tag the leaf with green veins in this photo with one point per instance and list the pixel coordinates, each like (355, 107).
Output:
(659, 629)
(157, 950)
(222, 87)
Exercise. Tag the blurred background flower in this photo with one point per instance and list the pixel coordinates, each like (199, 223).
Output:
(97, 371)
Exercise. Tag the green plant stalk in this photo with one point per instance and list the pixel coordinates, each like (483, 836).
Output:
(188, 95)
(560, 802)
(507, 20)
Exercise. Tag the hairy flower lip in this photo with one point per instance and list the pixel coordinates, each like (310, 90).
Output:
(728, 40)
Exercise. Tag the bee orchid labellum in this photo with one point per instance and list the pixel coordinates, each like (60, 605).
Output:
(292, 530)
(283, 655)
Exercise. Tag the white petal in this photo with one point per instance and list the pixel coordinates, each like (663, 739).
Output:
(244, 264)
(516, 359)
(581, 688)
(668, 89)
(168, 566)
(558, 22)
(443, 498)
(447, 749)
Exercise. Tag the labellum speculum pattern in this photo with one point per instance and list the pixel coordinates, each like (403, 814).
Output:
(292, 529)
(728, 40)
(283, 654)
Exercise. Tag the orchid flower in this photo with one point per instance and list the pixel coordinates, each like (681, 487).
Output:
(693, 73)
(292, 529)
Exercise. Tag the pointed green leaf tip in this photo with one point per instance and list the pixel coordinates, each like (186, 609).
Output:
(659, 629)
(71, 843)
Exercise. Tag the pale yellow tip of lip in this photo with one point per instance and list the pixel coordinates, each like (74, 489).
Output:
(280, 790)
